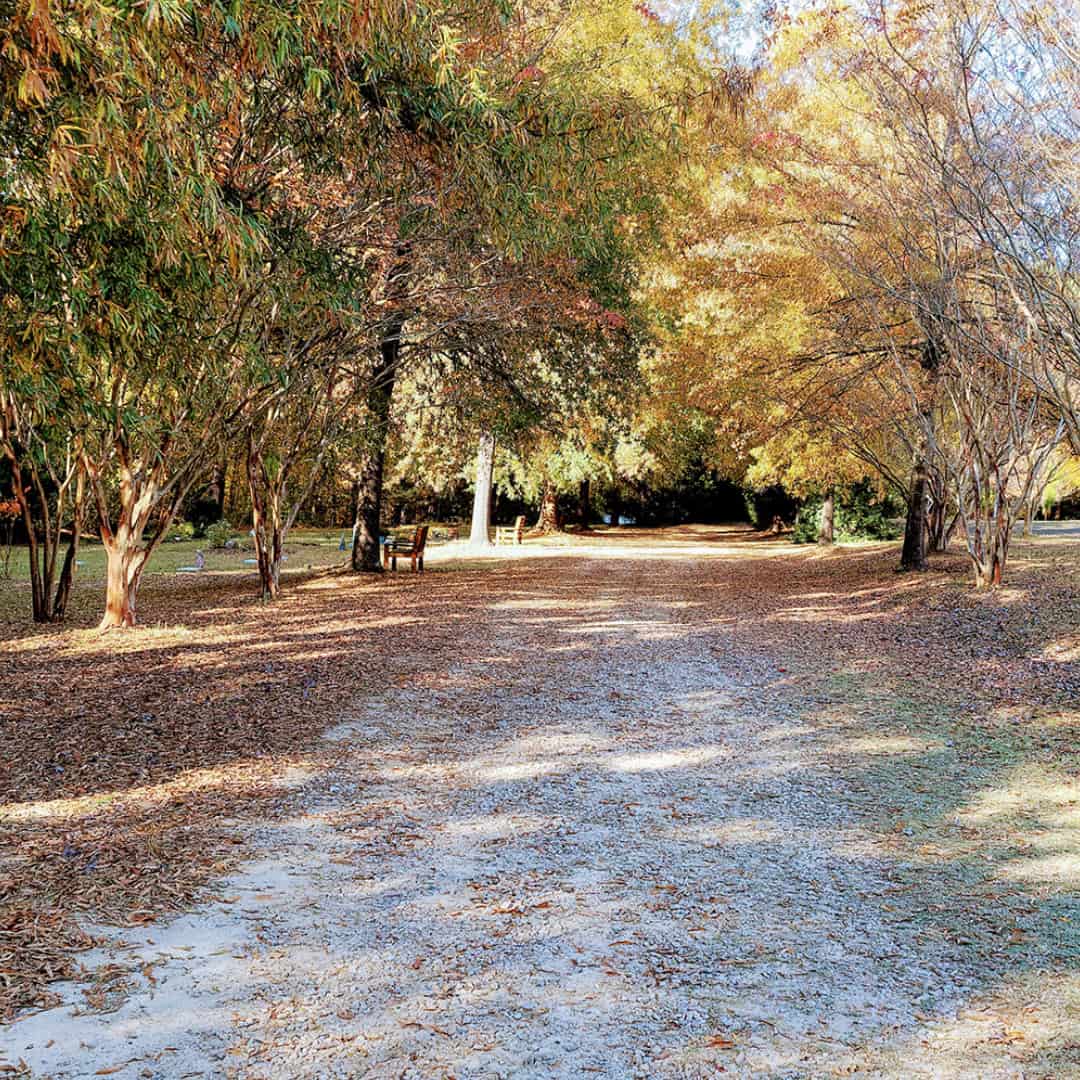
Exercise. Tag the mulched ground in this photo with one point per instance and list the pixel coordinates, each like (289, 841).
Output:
(126, 760)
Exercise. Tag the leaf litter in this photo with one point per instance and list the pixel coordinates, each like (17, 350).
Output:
(512, 852)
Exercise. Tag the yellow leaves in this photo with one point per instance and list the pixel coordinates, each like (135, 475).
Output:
(32, 88)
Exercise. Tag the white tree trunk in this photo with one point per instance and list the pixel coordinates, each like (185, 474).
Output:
(828, 516)
(481, 511)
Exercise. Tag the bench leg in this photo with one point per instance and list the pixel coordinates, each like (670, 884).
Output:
(421, 563)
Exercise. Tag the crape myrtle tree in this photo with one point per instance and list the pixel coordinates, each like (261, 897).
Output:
(97, 252)
(153, 221)
(302, 367)
(915, 298)
(982, 366)
(1008, 167)
(48, 484)
(147, 250)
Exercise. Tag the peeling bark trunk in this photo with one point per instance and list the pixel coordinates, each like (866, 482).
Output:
(266, 523)
(828, 516)
(548, 521)
(125, 559)
(937, 513)
(268, 552)
(481, 512)
(122, 536)
(43, 522)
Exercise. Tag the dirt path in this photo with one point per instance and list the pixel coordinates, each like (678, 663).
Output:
(607, 837)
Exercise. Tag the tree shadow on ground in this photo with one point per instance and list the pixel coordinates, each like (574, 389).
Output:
(870, 773)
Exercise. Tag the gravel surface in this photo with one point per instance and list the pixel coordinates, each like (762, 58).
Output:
(607, 837)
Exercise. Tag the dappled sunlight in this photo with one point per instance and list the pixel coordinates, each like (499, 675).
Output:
(786, 732)
(688, 758)
(520, 771)
(739, 831)
(890, 745)
(1061, 870)
(564, 743)
(643, 630)
(187, 784)
(564, 791)
(556, 605)
(705, 700)
(832, 615)
(1029, 794)
(1034, 818)
(1025, 1022)
(1065, 650)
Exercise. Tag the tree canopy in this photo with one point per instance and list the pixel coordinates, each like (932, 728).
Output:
(339, 243)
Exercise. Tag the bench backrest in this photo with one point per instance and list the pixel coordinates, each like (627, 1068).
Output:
(419, 537)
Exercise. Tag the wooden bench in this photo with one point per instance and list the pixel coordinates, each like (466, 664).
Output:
(403, 547)
(511, 534)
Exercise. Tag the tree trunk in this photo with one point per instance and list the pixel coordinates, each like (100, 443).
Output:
(126, 550)
(937, 511)
(265, 520)
(585, 503)
(828, 515)
(268, 552)
(913, 555)
(936, 519)
(215, 491)
(481, 512)
(67, 574)
(44, 534)
(125, 559)
(365, 554)
(548, 521)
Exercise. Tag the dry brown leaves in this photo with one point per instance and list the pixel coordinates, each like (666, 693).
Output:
(126, 759)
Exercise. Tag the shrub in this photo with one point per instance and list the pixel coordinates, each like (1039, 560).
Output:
(219, 534)
(180, 530)
(767, 503)
(807, 522)
(861, 514)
